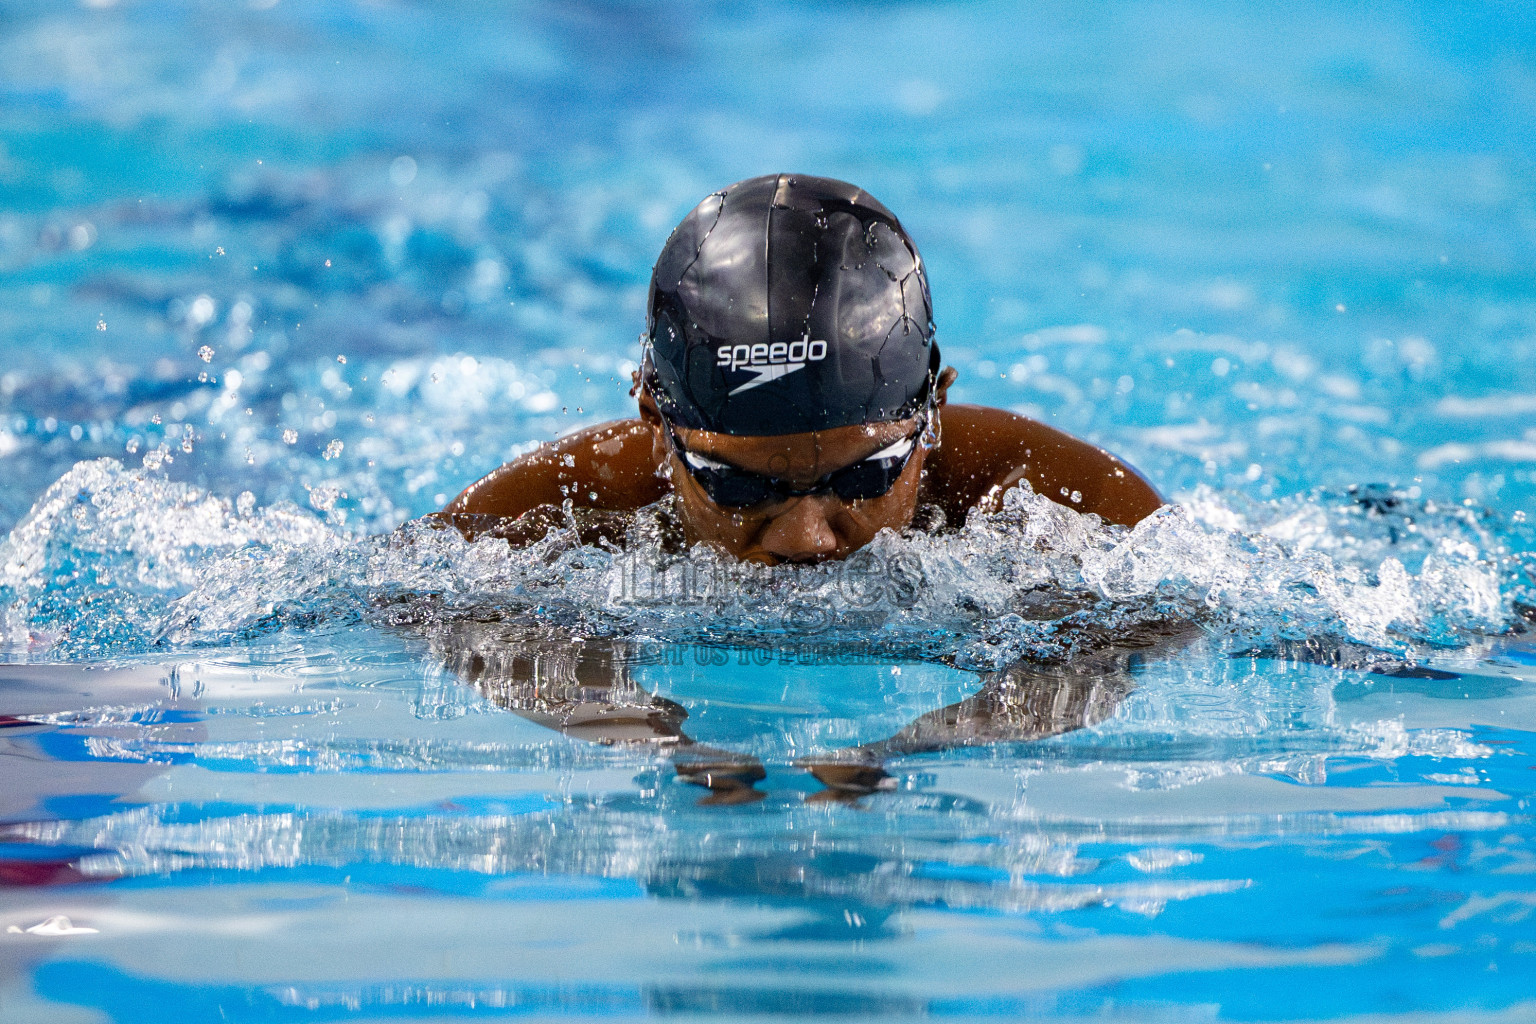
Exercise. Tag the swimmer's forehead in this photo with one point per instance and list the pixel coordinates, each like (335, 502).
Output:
(821, 448)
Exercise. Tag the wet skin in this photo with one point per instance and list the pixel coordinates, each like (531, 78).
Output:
(970, 456)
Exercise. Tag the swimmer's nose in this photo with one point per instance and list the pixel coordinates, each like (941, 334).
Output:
(802, 532)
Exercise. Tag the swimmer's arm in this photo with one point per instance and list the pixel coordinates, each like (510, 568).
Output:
(609, 467)
(581, 689)
(584, 690)
(985, 451)
(1028, 700)
(1023, 703)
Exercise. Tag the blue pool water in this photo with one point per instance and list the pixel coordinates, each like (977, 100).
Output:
(278, 277)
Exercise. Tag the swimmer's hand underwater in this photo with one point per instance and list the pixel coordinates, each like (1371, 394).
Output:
(791, 399)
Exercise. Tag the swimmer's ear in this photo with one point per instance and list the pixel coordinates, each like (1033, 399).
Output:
(648, 410)
(941, 387)
(650, 415)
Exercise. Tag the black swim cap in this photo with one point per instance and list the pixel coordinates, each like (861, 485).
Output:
(785, 304)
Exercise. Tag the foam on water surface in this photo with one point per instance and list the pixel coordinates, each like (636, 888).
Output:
(115, 559)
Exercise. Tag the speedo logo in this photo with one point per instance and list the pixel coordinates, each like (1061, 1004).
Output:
(769, 362)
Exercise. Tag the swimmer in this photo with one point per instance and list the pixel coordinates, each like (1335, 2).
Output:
(791, 399)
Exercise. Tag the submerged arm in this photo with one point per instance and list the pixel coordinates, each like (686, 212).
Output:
(1028, 700)
(584, 690)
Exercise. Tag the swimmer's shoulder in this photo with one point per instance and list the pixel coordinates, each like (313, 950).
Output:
(611, 466)
(984, 451)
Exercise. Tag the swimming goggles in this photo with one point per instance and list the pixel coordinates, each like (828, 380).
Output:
(733, 487)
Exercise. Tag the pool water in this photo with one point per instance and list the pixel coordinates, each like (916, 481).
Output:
(277, 278)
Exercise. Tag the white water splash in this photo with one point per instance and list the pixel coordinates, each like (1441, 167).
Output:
(117, 559)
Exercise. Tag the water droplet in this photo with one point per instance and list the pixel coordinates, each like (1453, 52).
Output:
(202, 311)
(333, 450)
(323, 498)
(205, 354)
(402, 170)
(342, 360)
(101, 325)
(290, 436)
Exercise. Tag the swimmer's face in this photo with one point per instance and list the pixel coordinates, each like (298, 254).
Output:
(812, 528)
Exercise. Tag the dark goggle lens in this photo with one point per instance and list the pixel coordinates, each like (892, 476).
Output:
(733, 488)
(739, 488)
(730, 487)
(868, 479)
